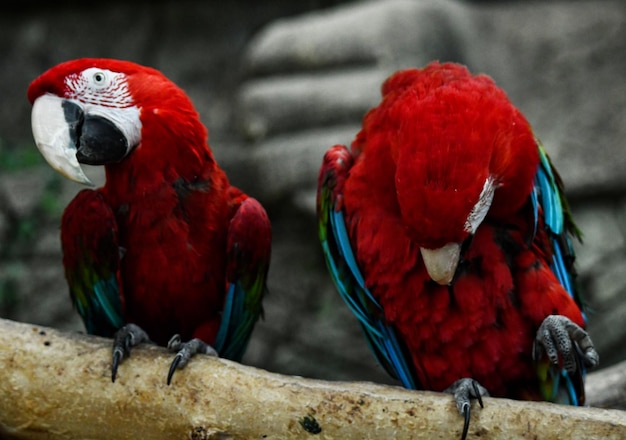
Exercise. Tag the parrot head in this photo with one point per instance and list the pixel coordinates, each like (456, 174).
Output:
(462, 152)
(95, 111)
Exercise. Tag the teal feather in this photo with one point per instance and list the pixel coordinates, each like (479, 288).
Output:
(350, 283)
(246, 286)
(91, 257)
(548, 200)
(106, 303)
(548, 194)
(236, 324)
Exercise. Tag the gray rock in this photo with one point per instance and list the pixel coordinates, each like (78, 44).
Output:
(564, 73)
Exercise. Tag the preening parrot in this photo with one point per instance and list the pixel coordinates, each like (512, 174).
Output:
(446, 231)
(167, 251)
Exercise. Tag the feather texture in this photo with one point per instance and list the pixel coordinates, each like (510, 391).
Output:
(167, 243)
(411, 180)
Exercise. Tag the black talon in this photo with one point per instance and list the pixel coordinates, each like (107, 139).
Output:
(185, 351)
(477, 393)
(467, 410)
(466, 415)
(175, 343)
(463, 391)
(117, 357)
(173, 367)
(125, 338)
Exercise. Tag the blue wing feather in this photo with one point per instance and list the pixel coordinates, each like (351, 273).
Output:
(548, 195)
(106, 303)
(348, 279)
(548, 201)
(249, 252)
(231, 341)
(228, 316)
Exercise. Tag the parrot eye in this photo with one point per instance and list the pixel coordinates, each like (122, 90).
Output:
(99, 86)
(99, 78)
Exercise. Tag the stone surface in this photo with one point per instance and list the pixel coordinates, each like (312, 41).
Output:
(562, 72)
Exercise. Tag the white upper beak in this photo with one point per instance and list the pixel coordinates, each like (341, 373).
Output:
(52, 136)
(441, 263)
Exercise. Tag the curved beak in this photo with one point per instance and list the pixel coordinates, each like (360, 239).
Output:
(52, 133)
(67, 134)
(441, 263)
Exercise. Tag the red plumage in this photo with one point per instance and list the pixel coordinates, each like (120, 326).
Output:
(417, 175)
(174, 238)
(175, 234)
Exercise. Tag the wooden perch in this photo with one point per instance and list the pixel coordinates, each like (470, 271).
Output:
(56, 385)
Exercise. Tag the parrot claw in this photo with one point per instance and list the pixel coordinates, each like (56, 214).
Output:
(173, 367)
(463, 390)
(185, 351)
(117, 357)
(560, 337)
(126, 337)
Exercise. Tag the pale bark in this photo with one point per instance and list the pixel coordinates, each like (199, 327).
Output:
(56, 385)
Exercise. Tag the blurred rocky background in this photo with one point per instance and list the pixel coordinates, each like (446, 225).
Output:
(277, 83)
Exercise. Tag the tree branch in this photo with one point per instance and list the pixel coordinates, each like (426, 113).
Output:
(56, 385)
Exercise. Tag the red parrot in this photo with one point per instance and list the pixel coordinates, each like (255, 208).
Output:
(446, 231)
(167, 250)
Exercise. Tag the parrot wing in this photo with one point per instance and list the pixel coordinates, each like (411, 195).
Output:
(549, 202)
(248, 255)
(345, 272)
(551, 209)
(91, 257)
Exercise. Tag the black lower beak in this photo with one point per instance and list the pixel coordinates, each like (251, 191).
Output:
(98, 141)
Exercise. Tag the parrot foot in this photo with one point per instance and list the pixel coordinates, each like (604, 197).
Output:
(463, 390)
(560, 337)
(126, 337)
(185, 351)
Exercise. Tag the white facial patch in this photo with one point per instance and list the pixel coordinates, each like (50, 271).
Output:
(480, 209)
(105, 93)
(125, 119)
(100, 87)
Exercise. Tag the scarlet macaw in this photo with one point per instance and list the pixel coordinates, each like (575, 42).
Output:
(167, 250)
(446, 231)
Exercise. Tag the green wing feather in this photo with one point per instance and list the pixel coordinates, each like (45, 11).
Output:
(91, 258)
(248, 254)
(347, 276)
(550, 203)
